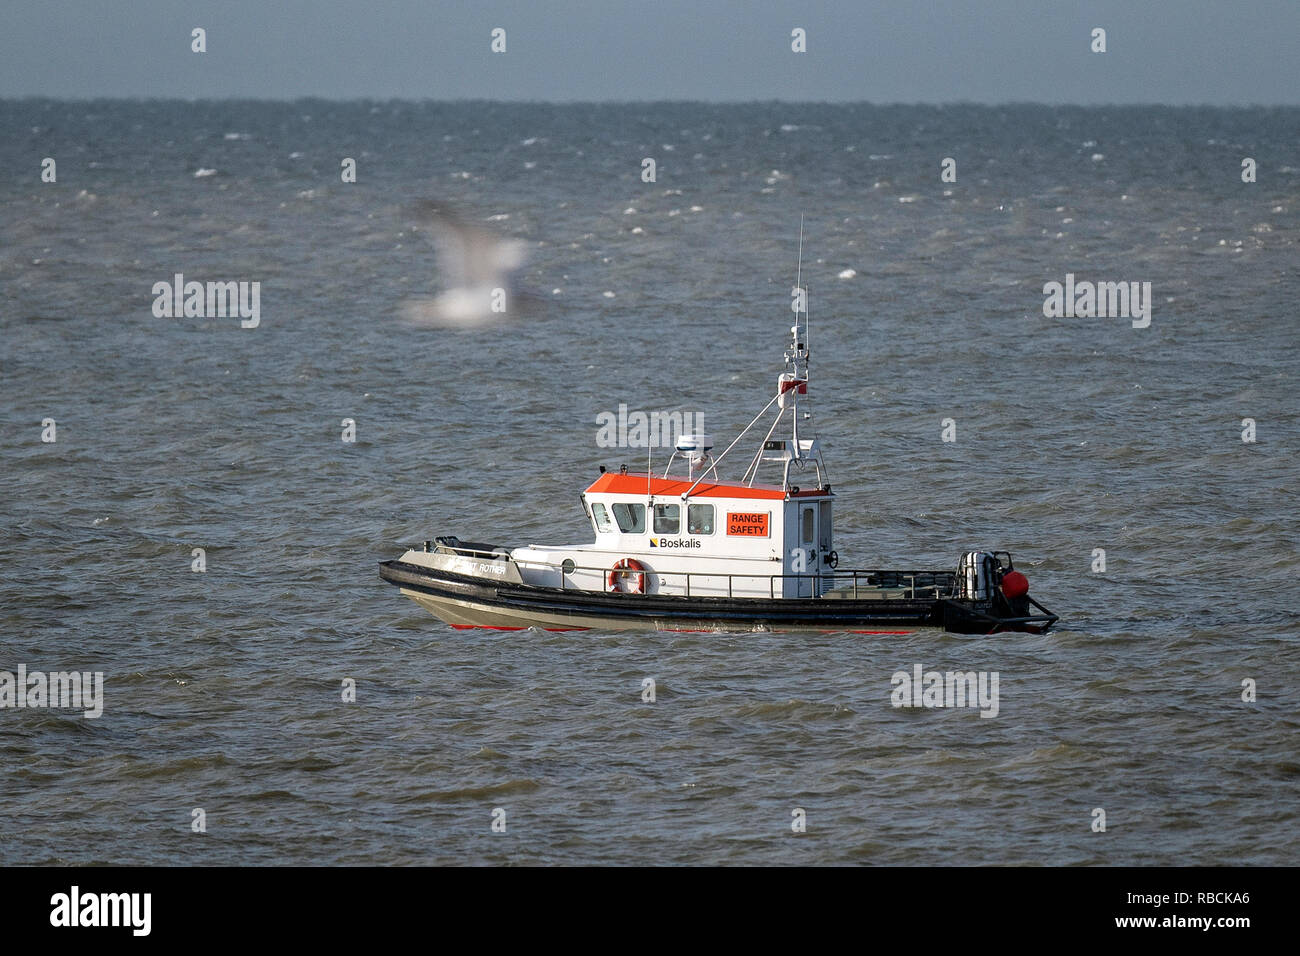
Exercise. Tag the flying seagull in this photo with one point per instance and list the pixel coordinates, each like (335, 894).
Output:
(478, 270)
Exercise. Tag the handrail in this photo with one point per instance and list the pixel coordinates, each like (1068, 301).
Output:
(467, 552)
(941, 582)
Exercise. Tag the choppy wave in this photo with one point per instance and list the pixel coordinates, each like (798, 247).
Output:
(223, 689)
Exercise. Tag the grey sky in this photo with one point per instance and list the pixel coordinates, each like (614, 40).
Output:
(1159, 51)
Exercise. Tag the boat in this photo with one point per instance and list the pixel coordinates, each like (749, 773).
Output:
(687, 550)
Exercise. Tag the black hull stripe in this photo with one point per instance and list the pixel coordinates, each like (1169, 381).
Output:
(803, 612)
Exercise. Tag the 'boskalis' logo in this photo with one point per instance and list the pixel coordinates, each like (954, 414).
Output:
(674, 542)
(102, 909)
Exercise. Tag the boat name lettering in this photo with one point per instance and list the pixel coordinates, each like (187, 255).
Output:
(674, 543)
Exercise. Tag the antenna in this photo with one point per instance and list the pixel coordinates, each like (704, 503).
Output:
(798, 275)
(795, 343)
(798, 281)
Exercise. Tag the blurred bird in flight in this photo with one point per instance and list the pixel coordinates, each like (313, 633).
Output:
(478, 271)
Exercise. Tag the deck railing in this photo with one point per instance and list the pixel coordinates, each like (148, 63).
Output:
(913, 584)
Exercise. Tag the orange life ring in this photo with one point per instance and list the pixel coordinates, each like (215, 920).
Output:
(619, 571)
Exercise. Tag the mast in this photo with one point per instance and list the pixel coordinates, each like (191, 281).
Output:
(802, 299)
(791, 384)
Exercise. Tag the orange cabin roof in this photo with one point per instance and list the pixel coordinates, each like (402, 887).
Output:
(612, 483)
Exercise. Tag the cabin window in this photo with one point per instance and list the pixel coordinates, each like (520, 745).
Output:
(699, 519)
(668, 519)
(809, 523)
(630, 517)
(601, 516)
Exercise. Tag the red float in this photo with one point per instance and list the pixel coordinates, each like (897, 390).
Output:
(1015, 584)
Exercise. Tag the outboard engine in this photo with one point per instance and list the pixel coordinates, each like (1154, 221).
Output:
(978, 574)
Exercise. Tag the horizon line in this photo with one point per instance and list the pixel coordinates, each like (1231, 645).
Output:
(938, 104)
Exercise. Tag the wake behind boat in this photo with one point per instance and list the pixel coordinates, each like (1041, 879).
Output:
(688, 550)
